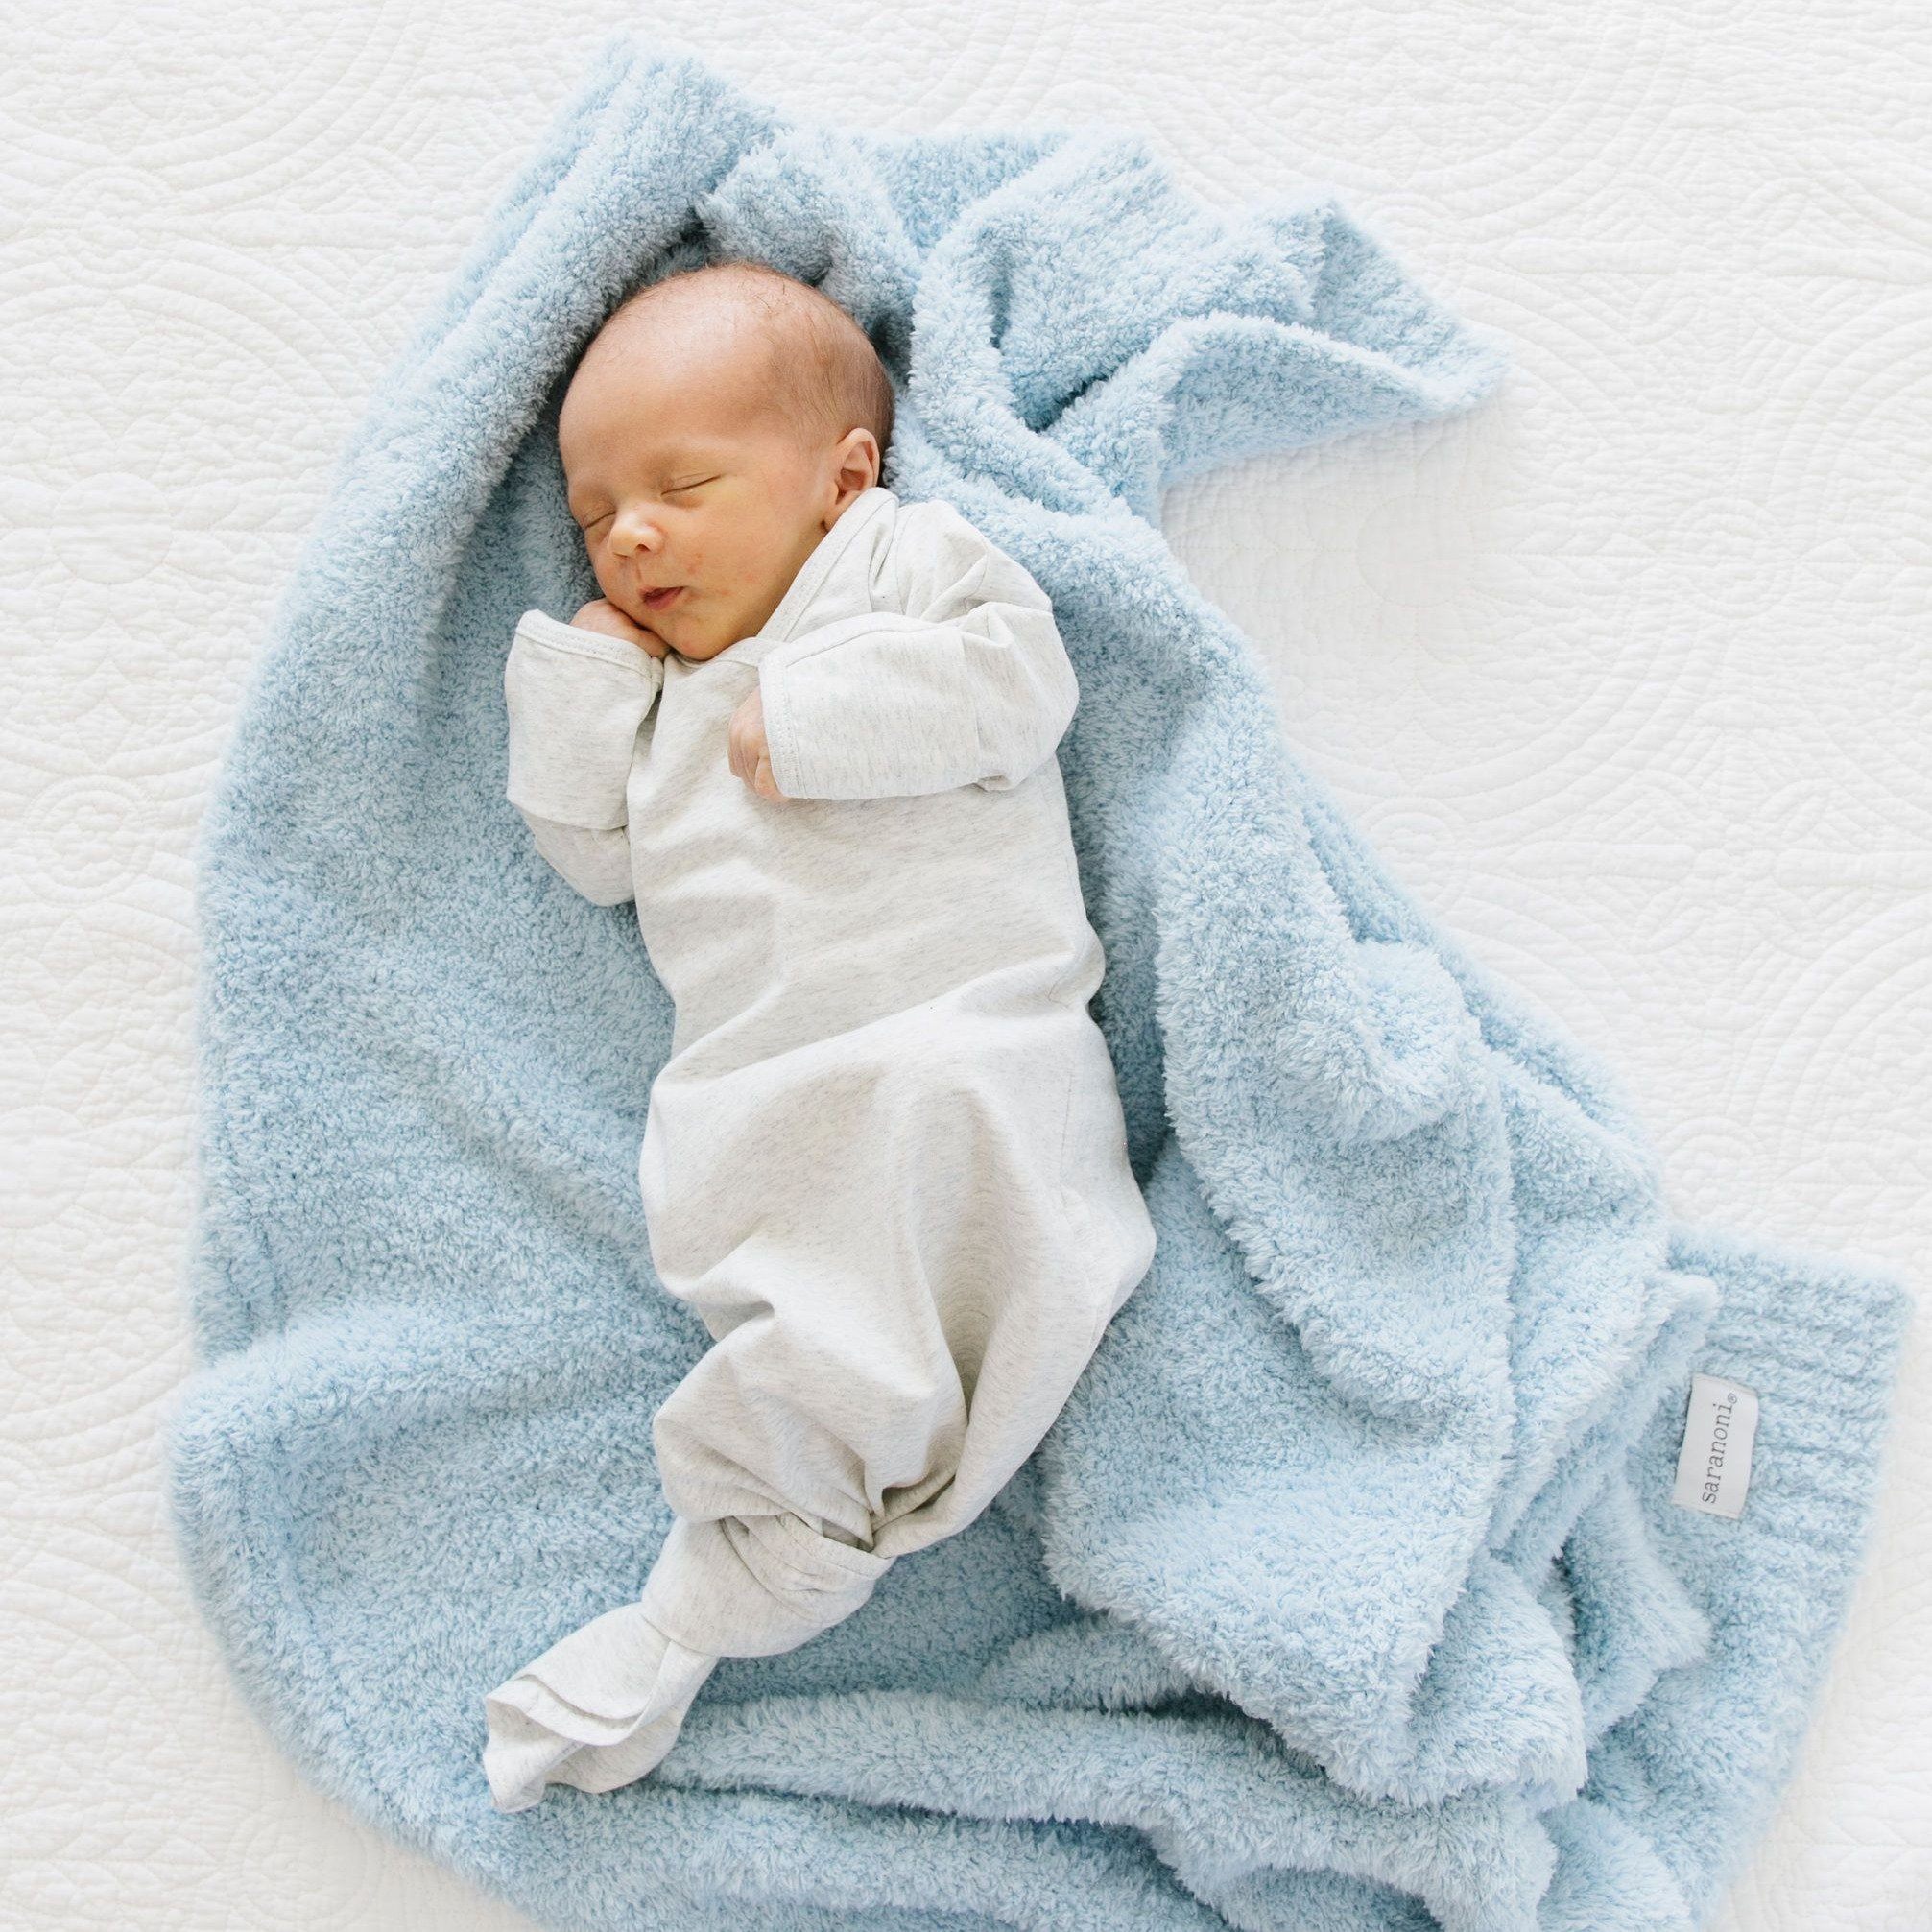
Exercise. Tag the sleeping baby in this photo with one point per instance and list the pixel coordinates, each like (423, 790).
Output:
(810, 731)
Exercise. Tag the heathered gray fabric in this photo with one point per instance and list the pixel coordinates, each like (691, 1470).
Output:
(886, 1162)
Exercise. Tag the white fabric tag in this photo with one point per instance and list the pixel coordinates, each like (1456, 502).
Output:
(1713, 1468)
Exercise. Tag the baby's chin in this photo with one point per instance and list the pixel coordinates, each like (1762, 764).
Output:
(692, 644)
(698, 642)
(704, 652)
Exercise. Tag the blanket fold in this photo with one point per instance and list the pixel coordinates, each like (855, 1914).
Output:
(1346, 1593)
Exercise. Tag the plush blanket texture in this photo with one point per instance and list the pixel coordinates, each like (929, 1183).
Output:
(1348, 1591)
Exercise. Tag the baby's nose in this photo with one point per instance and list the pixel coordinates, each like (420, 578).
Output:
(634, 530)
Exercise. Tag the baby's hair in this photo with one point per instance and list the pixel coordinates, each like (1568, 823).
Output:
(830, 368)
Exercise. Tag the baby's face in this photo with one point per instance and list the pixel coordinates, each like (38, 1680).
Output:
(698, 503)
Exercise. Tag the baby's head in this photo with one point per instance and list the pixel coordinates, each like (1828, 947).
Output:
(717, 425)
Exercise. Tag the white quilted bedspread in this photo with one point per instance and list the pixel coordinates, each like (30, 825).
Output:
(1629, 672)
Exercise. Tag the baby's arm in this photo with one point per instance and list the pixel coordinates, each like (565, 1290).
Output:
(970, 686)
(577, 698)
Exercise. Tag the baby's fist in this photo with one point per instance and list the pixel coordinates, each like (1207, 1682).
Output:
(749, 753)
(605, 616)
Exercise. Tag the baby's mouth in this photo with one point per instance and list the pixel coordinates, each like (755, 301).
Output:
(661, 600)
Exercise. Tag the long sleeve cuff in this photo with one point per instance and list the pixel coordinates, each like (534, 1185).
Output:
(576, 701)
(887, 705)
(868, 708)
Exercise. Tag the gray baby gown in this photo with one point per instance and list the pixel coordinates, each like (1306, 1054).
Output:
(885, 1162)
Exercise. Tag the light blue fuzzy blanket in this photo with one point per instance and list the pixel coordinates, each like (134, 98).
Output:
(1346, 1593)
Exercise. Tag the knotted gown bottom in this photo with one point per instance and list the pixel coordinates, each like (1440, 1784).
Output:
(906, 1241)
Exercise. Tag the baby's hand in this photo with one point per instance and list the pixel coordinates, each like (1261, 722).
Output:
(605, 616)
(750, 756)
